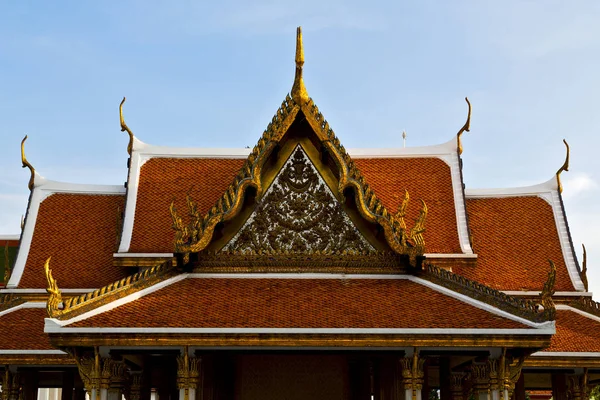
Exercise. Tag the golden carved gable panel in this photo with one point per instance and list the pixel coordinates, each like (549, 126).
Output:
(298, 214)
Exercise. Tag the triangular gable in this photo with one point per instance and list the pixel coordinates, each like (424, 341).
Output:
(298, 213)
(298, 119)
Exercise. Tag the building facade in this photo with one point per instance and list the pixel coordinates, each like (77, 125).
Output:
(296, 269)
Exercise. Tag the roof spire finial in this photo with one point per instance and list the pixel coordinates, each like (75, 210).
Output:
(299, 93)
(466, 127)
(26, 164)
(124, 127)
(404, 138)
(565, 167)
(584, 269)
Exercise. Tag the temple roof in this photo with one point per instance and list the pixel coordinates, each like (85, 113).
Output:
(514, 232)
(576, 332)
(294, 304)
(22, 330)
(77, 225)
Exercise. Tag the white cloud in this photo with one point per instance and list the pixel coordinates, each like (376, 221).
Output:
(576, 184)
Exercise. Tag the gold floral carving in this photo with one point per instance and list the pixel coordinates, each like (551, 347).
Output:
(189, 239)
(299, 214)
(27, 164)
(11, 385)
(413, 373)
(517, 306)
(188, 372)
(54, 305)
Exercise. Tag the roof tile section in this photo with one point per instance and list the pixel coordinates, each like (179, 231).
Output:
(514, 238)
(297, 303)
(575, 333)
(425, 178)
(163, 180)
(79, 232)
(23, 329)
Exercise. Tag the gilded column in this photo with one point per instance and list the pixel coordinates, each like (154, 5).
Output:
(480, 374)
(412, 376)
(135, 387)
(495, 386)
(578, 386)
(188, 375)
(102, 376)
(11, 385)
(456, 387)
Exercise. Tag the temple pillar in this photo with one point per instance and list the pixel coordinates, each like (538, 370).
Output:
(578, 386)
(11, 385)
(480, 375)
(510, 370)
(67, 386)
(103, 377)
(495, 386)
(457, 390)
(412, 376)
(559, 386)
(135, 387)
(188, 375)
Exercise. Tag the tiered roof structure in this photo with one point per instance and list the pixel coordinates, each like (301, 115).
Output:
(298, 244)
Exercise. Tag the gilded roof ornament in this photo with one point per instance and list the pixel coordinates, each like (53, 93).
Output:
(6, 265)
(565, 167)
(465, 127)
(584, 269)
(299, 93)
(55, 303)
(26, 164)
(124, 127)
(548, 290)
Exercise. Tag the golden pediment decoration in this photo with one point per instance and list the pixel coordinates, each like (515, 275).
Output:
(194, 233)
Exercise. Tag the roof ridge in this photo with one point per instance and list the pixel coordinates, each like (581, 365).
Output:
(586, 304)
(524, 308)
(76, 305)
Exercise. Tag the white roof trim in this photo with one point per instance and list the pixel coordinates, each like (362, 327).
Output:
(540, 189)
(540, 328)
(42, 189)
(51, 327)
(31, 304)
(143, 255)
(31, 352)
(37, 291)
(578, 311)
(450, 255)
(537, 293)
(10, 237)
(565, 354)
(142, 152)
(549, 192)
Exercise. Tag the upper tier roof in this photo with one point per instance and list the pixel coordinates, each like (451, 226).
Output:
(514, 232)
(76, 225)
(160, 174)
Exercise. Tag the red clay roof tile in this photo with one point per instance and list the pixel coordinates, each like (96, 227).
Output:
(575, 332)
(23, 329)
(297, 303)
(514, 237)
(79, 232)
(163, 180)
(424, 178)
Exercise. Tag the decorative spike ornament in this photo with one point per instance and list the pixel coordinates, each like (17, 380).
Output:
(26, 164)
(465, 127)
(124, 127)
(299, 93)
(564, 167)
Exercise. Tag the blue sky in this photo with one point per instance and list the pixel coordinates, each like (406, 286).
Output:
(211, 74)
